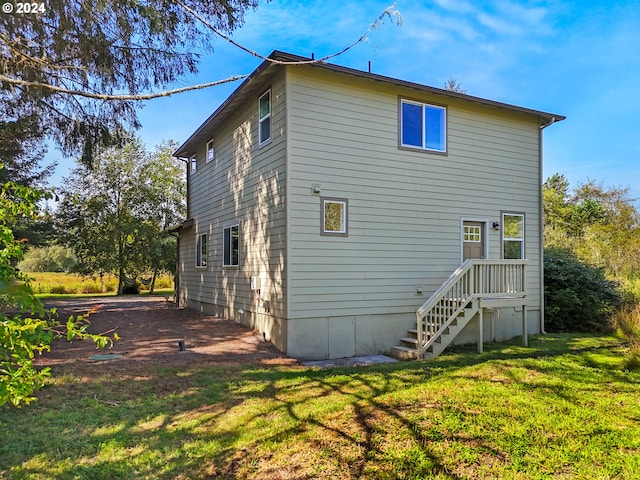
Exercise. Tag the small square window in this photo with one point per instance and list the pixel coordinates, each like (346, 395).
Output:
(334, 216)
(423, 126)
(264, 116)
(201, 250)
(210, 151)
(230, 246)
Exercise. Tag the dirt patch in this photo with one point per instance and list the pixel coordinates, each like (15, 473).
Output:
(151, 330)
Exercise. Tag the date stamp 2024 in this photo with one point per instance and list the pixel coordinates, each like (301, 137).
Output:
(22, 8)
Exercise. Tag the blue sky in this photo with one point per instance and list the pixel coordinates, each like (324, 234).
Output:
(578, 58)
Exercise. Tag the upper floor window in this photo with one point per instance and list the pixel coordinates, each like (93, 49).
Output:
(201, 250)
(513, 236)
(423, 126)
(194, 164)
(230, 246)
(210, 151)
(264, 116)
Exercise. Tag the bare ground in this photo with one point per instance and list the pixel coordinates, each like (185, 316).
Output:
(150, 329)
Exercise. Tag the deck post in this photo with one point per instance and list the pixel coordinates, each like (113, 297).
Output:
(525, 339)
(492, 330)
(480, 330)
(420, 335)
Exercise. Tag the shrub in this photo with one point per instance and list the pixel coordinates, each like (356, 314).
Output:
(578, 297)
(57, 289)
(131, 288)
(631, 290)
(66, 283)
(626, 323)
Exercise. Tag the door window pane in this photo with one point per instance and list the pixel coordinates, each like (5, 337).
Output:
(472, 233)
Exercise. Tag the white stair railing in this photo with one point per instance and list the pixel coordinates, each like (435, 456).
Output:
(474, 279)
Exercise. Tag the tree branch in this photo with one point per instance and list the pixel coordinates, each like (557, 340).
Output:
(388, 12)
(101, 96)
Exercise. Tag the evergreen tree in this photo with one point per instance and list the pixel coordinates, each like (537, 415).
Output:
(50, 61)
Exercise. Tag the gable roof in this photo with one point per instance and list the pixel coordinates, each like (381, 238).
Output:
(258, 80)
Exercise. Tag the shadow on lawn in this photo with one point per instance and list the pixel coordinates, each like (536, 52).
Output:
(370, 414)
(272, 422)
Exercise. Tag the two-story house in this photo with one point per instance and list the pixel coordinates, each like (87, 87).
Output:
(334, 210)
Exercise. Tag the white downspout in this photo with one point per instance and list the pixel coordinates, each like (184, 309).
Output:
(540, 182)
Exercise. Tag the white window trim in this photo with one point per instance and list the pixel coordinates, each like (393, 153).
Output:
(261, 119)
(211, 149)
(193, 164)
(200, 261)
(424, 136)
(345, 220)
(521, 240)
(224, 250)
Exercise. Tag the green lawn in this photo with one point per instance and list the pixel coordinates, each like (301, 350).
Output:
(560, 408)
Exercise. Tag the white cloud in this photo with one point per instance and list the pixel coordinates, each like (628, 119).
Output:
(531, 15)
(514, 19)
(458, 6)
(443, 27)
(499, 25)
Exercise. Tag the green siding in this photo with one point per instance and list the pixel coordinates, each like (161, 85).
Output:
(405, 207)
(245, 184)
(332, 296)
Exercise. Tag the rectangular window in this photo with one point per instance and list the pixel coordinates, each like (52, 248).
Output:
(334, 216)
(513, 236)
(210, 151)
(472, 233)
(194, 164)
(423, 126)
(230, 236)
(264, 115)
(201, 250)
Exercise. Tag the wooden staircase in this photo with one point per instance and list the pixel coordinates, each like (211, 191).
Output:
(463, 296)
(441, 337)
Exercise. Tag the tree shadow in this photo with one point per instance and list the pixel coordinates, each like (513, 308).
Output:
(233, 422)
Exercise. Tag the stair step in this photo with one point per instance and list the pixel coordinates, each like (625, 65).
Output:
(425, 330)
(426, 322)
(409, 342)
(413, 333)
(437, 316)
(437, 337)
(404, 353)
